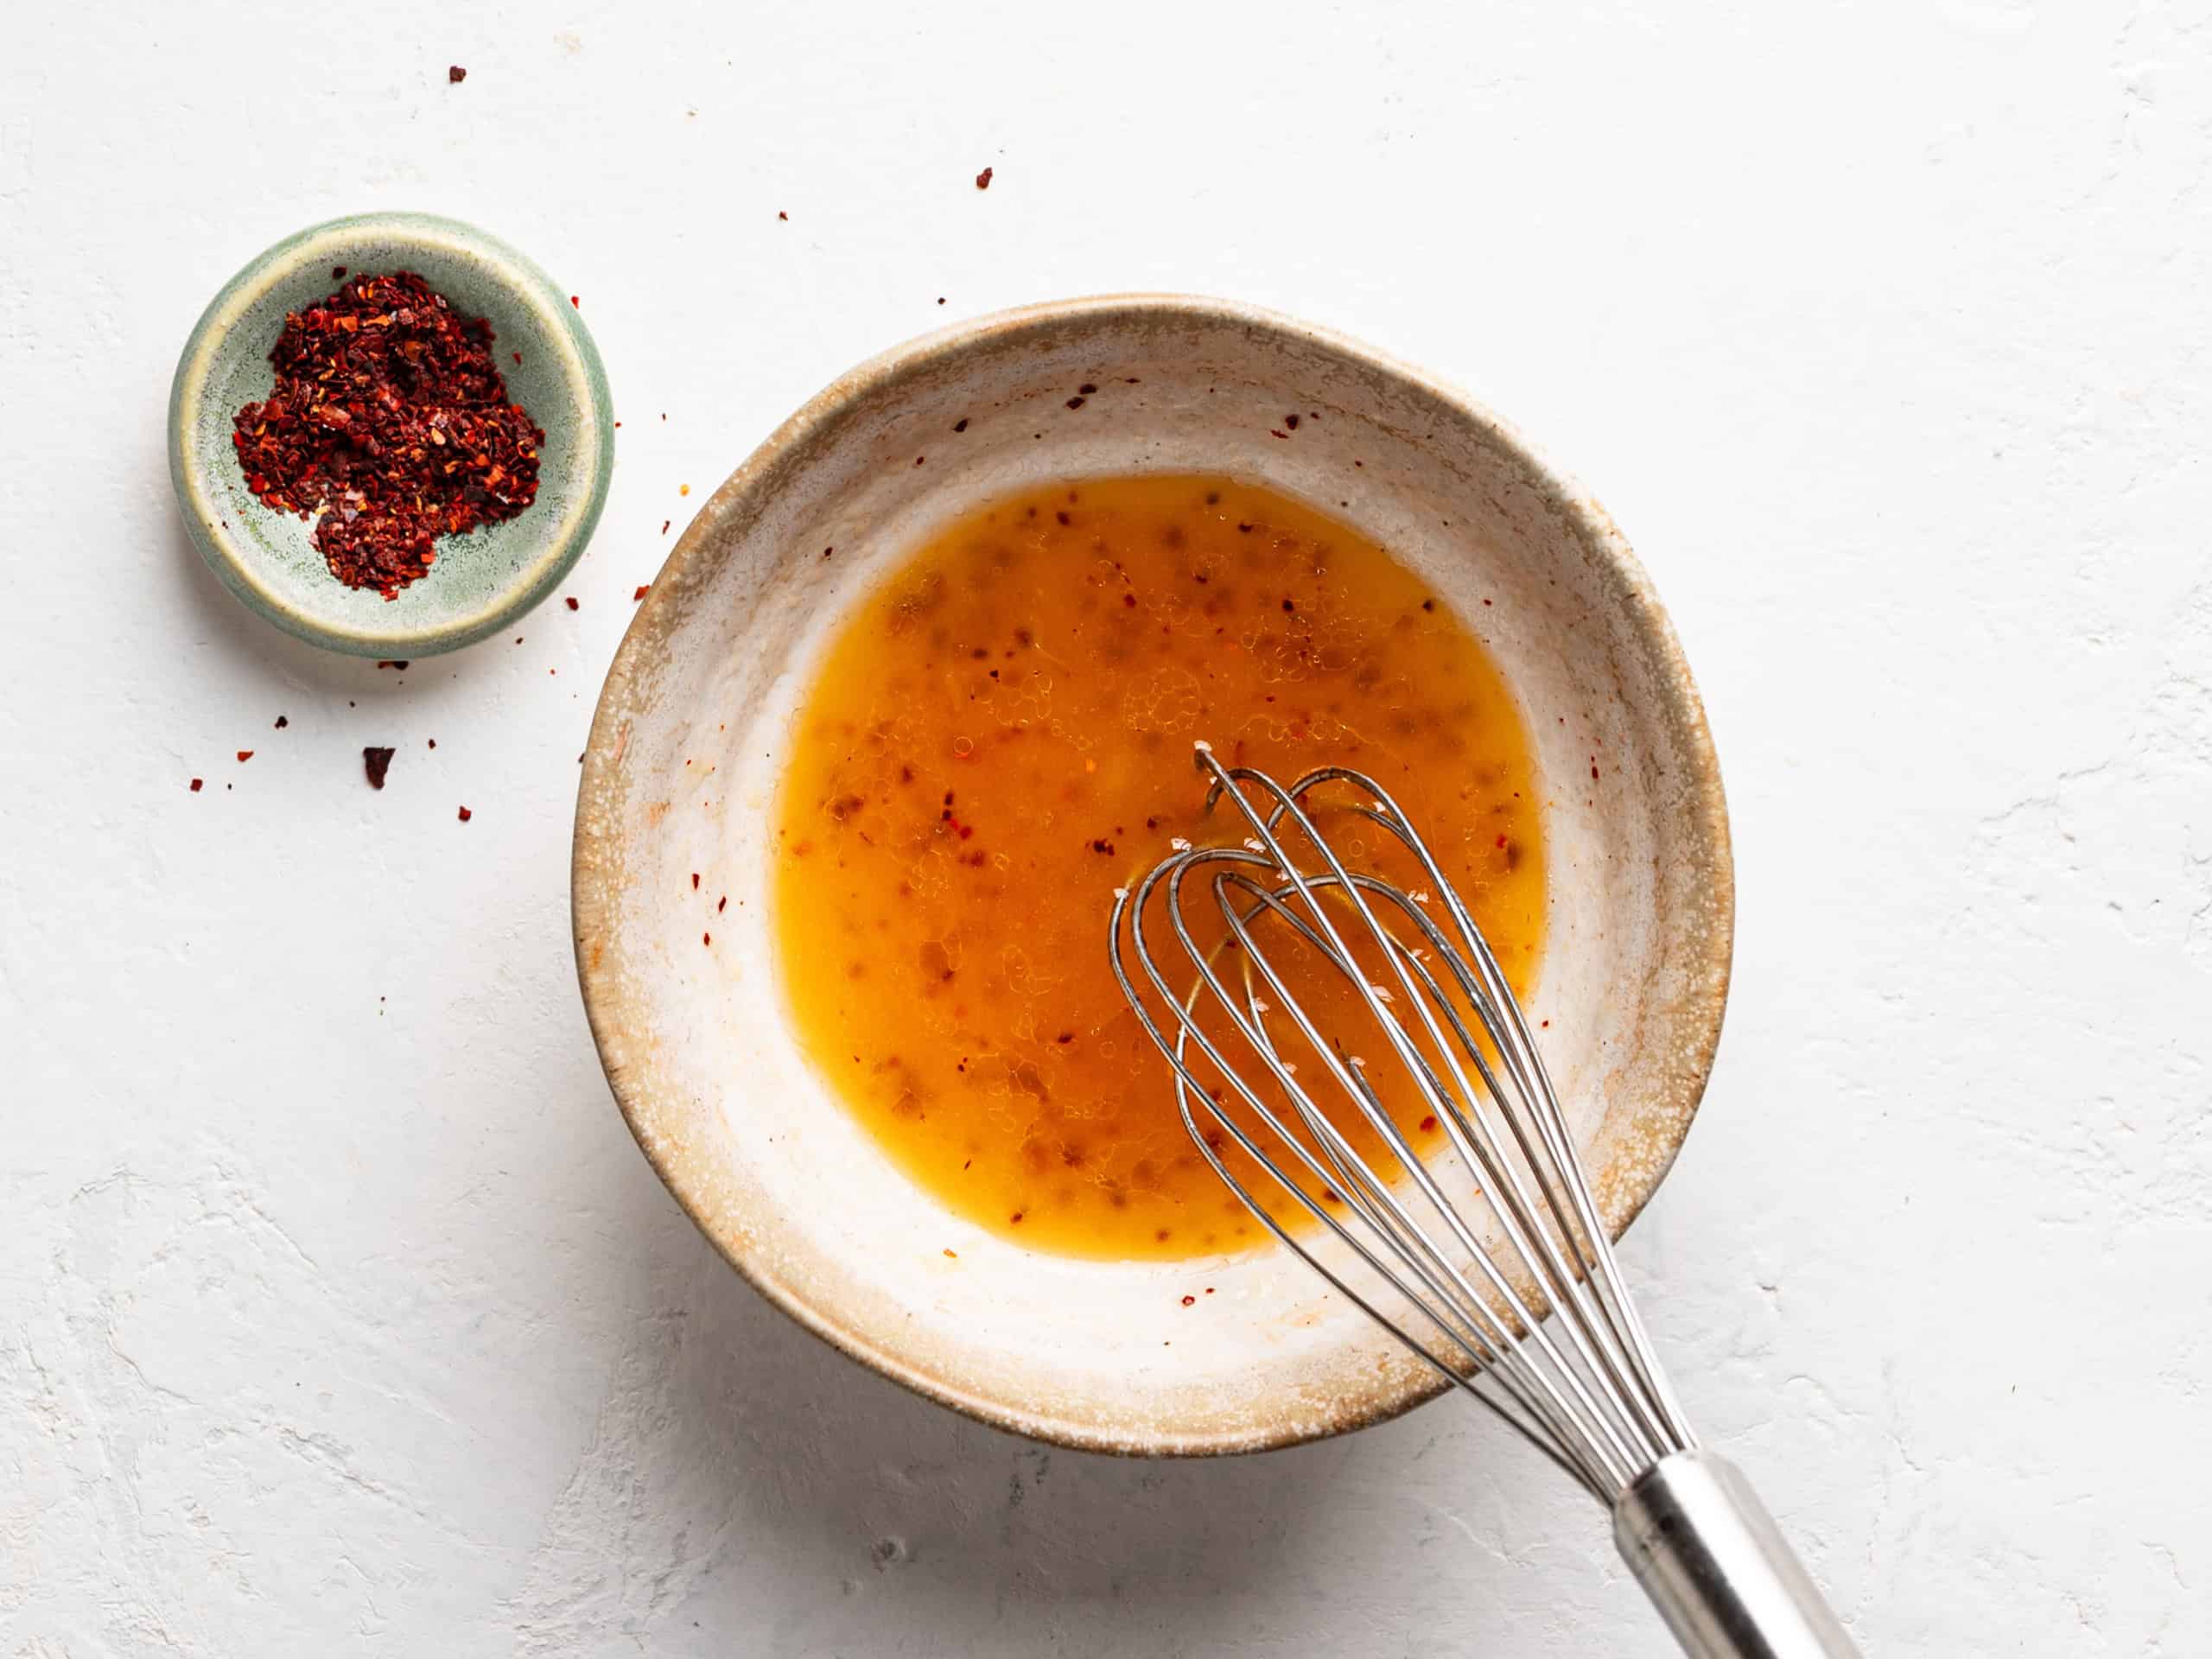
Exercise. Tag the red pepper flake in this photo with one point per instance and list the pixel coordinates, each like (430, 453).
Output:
(1208, 1290)
(377, 762)
(827, 552)
(1291, 421)
(338, 273)
(722, 904)
(466, 814)
(640, 595)
(389, 419)
(1015, 1216)
(1428, 1123)
(1277, 432)
(664, 524)
(984, 182)
(245, 755)
(282, 722)
(574, 300)
(400, 664)
(1501, 841)
(1189, 1301)
(706, 939)
(1075, 403)
(456, 75)
(199, 784)
(1086, 388)
(1593, 772)
(434, 743)
(572, 601)
(695, 881)
(779, 215)
(960, 425)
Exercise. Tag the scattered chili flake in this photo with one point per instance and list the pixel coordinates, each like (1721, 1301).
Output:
(695, 881)
(377, 762)
(1075, 403)
(722, 904)
(390, 420)
(1593, 771)
(1189, 1301)
(282, 722)
(664, 524)
(574, 300)
(245, 755)
(199, 784)
(434, 743)
(338, 273)
(984, 182)
(572, 601)
(960, 425)
(648, 587)
(1277, 432)
(1430, 604)
(466, 814)
(400, 663)
(706, 939)
(1291, 421)
(1428, 1122)
(1501, 841)
(456, 74)
(779, 215)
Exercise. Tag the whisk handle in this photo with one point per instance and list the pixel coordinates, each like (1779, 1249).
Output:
(1718, 1569)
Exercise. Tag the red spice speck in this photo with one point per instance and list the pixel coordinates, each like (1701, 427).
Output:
(199, 784)
(1593, 772)
(282, 722)
(338, 273)
(572, 601)
(401, 663)
(664, 524)
(1501, 841)
(723, 906)
(960, 425)
(466, 814)
(984, 182)
(377, 762)
(783, 216)
(456, 74)
(1291, 421)
(1428, 1123)
(695, 881)
(574, 300)
(1189, 1300)
(706, 939)
(643, 591)
(1075, 403)
(245, 755)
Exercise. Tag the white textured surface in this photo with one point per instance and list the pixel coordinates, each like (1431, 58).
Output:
(339, 1314)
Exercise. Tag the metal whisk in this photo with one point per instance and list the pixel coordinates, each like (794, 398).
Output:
(1460, 1255)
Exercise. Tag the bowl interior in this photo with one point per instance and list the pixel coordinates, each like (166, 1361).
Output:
(689, 748)
(481, 581)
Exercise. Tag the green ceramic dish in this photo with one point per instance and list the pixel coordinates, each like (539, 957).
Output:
(483, 581)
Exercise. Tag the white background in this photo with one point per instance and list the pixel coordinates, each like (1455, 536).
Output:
(338, 1313)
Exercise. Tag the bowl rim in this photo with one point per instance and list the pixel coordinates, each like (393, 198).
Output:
(584, 381)
(594, 880)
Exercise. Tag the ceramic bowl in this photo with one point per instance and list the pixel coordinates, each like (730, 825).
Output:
(689, 742)
(481, 582)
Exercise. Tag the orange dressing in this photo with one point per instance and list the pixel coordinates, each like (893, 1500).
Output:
(1001, 735)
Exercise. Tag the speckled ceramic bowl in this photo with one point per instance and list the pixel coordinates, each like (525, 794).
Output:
(689, 744)
(481, 582)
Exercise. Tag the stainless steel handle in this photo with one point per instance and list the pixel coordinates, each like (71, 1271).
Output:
(1718, 1569)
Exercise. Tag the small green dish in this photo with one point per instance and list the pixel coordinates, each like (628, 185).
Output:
(481, 582)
